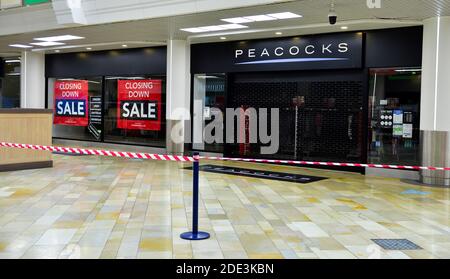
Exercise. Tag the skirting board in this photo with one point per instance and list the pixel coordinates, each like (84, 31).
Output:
(26, 166)
(388, 173)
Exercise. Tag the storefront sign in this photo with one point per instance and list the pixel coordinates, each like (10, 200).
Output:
(315, 52)
(71, 103)
(139, 105)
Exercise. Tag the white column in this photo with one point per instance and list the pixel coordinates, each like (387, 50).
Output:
(178, 95)
(32, 80)
(435, 99)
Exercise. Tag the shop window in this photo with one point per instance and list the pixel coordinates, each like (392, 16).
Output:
(208, 100)
(10, 84)
(394, 119)
(77, 105)
(135, 110)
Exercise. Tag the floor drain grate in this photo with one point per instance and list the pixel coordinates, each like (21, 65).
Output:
(396, 244)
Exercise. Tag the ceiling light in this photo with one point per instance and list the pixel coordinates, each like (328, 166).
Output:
(59, 38)
(57, 51)
(237, 20)
(88, 48)
(286, 15)
(260, 18)
(192, 30)
(12, 61)
(47, 44)
(223, 38)
(233, 26)
(408, 70)
(214, 28)
(278, 33)
(124, 45)
(20, 46)
(344, 27)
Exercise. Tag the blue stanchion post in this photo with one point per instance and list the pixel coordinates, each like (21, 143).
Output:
(195, 234)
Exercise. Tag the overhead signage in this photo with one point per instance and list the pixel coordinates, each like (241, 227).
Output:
(139, 105)
(71, 103)
(312, 52)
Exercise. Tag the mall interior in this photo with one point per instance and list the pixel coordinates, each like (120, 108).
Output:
(362, 83)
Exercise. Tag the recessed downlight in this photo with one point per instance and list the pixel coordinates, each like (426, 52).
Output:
(223, 38)
(344, 27)
(89, 48)
(124, 45)
(57, 51)
(278, 33)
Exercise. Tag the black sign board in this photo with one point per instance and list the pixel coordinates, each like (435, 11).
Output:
(288, 177)
(95, 110)
(329, 51)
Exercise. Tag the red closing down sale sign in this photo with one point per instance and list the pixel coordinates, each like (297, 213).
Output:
(139, 105)
(71, 103)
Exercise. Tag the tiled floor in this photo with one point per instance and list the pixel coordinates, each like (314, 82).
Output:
(91, 207)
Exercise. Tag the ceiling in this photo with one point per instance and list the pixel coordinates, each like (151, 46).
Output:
(352, 13)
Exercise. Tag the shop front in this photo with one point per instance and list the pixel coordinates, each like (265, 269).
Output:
(113, 96)
(346, 97)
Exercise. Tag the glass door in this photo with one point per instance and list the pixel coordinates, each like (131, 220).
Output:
(394, 116)
(208, 106)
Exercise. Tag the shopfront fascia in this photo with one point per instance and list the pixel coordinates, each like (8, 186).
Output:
(115, 96)
(333, 91)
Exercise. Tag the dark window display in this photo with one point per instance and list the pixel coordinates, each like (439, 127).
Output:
(77, 105)
(394, 107)
(135, 110)
(10, 83)
(321, 117)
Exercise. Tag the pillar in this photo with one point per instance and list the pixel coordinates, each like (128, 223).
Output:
(32, 83)
(178, 96)
(435, 100)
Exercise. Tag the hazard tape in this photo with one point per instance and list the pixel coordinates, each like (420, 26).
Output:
(158, 157)
(71, 150)
(329, 164)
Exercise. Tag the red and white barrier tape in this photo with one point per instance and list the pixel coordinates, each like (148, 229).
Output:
(71, 150)
(147, 156)
(330, 164)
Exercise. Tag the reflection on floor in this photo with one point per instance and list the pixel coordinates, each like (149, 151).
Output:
(91, 207)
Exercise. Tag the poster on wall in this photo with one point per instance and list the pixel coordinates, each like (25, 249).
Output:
(139, 105)
(71, 103)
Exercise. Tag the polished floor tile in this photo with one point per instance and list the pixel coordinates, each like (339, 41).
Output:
(107, 208)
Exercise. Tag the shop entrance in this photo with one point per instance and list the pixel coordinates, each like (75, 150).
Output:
(321, 113)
